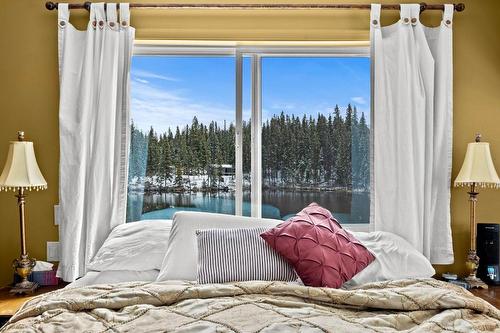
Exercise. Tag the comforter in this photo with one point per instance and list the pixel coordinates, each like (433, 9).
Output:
(423, 305)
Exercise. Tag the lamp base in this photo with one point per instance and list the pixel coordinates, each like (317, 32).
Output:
(475, 282)
(23, 267)
(24, 287)
(472, 264)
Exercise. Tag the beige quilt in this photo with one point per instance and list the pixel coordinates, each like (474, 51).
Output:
(408, 305)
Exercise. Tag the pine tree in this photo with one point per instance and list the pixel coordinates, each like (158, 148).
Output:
(247, 151)
(337, 143)
(165, 163)
(153, 159)
(355, 150)
(364, 154)
(325, 170)
(138, 153)
(345, 149)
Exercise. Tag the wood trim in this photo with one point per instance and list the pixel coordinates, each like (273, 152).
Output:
(491, 295)
(9, 303)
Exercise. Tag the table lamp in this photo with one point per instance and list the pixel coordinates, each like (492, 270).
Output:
(477, 171)
(21, 173)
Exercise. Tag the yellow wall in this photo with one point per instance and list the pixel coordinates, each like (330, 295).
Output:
(29, 90)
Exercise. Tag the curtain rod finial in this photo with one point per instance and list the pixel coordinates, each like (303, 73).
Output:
(50, 5)
(460, 7)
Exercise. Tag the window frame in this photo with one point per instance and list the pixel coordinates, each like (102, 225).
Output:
(256, 52)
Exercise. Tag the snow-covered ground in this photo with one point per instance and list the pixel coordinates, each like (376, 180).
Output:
(189, 182)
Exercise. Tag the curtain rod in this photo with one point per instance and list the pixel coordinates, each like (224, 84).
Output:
(423, 6)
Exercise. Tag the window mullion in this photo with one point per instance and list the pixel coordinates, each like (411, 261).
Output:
(238, 195)
(256, 140)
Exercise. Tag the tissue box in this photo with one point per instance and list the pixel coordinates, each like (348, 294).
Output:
(43, 278)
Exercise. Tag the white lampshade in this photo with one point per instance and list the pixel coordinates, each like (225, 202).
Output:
(478, 167)
(21, 169)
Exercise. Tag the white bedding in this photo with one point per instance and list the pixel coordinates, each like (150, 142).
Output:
(395, 259)
(424, 306)
(135, 246)
(135, 251)
(106, 277)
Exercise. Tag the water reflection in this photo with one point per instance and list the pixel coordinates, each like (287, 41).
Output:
(346, 206)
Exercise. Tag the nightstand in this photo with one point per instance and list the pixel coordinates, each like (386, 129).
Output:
(10, 303)
(491, 295)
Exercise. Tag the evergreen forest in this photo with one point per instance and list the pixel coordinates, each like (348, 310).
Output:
(328, 152)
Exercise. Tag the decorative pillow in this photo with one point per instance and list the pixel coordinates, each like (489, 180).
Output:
(226, 255)
(181, 259)
(322, 253)
(135, 246)
(395, 259)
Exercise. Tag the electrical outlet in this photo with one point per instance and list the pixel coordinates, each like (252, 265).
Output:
(52, 251)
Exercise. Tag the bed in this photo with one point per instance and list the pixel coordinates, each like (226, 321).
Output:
(423, 305)
(129, 291)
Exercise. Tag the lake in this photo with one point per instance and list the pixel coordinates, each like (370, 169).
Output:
(347, 207)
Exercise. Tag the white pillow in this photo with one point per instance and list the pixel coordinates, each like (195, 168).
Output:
(181, 258)
(107, 277)
(395, 259)
(136, 246)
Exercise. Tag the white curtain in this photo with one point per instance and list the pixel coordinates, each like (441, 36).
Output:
(412, 110)
(94, 131)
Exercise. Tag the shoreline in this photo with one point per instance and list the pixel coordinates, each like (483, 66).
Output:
(216, 191)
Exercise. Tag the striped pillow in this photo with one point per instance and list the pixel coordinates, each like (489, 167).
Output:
(226, 255)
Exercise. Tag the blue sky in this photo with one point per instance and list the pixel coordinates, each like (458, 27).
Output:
(170, 91)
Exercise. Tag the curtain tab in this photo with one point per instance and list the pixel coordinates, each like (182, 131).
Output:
(448, 14)
(93, 20)
(63, 15)
(111, 15)
(124, 14)
(375, 15)
(409, 13)
(97, 14)
(415, 14)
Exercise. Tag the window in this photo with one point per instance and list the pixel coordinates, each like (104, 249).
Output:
(315, 136)
(249, 131)
(182, 136)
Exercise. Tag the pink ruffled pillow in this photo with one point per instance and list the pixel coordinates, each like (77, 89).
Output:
(322, 253)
